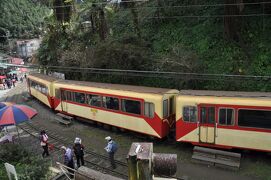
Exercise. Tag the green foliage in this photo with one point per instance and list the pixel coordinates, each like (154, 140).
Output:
(27, 165)
(178, 43)
(23, 19)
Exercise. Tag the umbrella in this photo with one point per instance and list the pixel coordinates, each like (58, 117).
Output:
(23, 70)
(15, 114)
(13, 72)
(4, 104)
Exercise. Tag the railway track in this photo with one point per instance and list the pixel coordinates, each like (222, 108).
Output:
(93, 160)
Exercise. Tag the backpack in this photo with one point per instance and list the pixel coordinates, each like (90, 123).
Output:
(114, 147)
(78, 150)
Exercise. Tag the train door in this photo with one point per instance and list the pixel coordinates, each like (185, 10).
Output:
(64, 103)
(207, 124)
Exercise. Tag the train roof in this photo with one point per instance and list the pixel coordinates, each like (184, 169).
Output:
(44, 77)
(139, 89)
(225, 93)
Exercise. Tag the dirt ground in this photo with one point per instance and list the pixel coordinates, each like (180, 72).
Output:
(254, 165)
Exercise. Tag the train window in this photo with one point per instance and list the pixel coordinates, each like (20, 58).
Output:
(207, 115)
(211, 115)
(57, 93)
(226, 116)
(131, 106)
(111, 103)
(254, 118)
(44, 89)
(80, 97)
(94, 100)
(190, 113)
(165, 108)
(149, 109)
(69, 96)
(41, 88)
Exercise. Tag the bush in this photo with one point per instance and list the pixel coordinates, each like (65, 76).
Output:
(27, 165)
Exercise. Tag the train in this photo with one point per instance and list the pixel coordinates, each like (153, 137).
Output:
(216, 119)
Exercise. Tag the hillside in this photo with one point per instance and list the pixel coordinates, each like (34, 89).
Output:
(211, 37)
(22, 19)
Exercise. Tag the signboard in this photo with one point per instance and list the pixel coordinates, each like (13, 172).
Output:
(11, 171)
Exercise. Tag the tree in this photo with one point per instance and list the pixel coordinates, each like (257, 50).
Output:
(232, 20)
(134, 11)
(63, 10)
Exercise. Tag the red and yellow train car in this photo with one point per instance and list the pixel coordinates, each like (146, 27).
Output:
(142, 109)
(224, 119)
(41, 87)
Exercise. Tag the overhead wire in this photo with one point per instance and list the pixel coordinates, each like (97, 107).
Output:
(144, 73)
(171, 74)
(175, 6)
(188, 6)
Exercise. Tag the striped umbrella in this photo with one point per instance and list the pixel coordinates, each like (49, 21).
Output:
(15, 114)
(4, 104)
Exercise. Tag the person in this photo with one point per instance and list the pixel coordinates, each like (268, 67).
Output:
(68, 159)
(44, 143)
(111, 149)
(4, 84)
(78, 149)
(13, 82)
(8, 83)
(21, 79)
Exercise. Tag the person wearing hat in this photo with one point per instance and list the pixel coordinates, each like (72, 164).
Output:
(68, 159)
(79, 151)
(111, 149)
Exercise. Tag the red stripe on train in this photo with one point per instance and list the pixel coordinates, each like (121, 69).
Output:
(160, 126)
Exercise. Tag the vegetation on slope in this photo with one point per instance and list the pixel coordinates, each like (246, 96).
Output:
(21, 19)
(163, 35)
(27, 166)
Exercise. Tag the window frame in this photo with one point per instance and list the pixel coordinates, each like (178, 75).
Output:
(207, 115)
(119, 104)
(71, 98)
(234, 121)
(196, 107)
(149, 103)
(40, 85)
(140, 103)
(93, 94)
(75, 98)
(255, 109)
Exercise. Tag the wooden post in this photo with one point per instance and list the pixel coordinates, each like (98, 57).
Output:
(143, 163)
(132, 166)
(139, 161)
(144, 158)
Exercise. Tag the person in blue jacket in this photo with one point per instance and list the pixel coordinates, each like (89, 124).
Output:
(111, 149)
(68, 159)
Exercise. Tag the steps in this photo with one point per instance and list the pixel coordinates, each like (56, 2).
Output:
(217, 158)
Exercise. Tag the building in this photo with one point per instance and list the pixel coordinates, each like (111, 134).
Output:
(27, 47)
